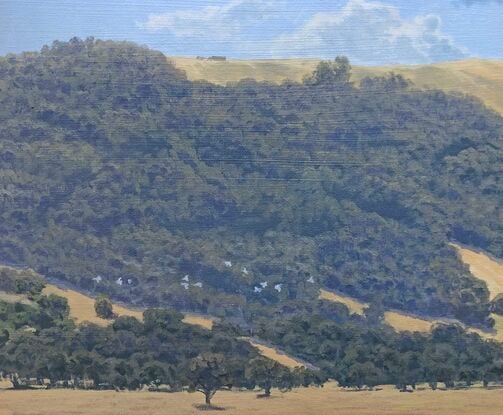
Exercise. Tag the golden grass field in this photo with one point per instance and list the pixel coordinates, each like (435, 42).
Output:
(481, 78)
(325, 401)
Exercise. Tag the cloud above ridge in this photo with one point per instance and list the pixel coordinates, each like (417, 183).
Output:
(372, 33)
(367, 31)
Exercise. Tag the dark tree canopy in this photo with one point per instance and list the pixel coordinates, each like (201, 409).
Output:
(120, 176)
(104, 308)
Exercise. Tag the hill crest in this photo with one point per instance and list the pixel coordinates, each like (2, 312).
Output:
(477, 77)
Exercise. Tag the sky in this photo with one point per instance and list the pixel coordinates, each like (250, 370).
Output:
(369, 32)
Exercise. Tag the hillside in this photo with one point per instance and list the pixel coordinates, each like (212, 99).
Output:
(480, 78)
(120, 176)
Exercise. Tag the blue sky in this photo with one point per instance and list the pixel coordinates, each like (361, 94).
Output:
(367, 31)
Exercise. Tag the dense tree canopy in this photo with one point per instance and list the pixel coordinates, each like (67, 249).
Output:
(122, 177)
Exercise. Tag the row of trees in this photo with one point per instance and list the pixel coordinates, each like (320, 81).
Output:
(39, 341)
(359, 355)
(162, 352)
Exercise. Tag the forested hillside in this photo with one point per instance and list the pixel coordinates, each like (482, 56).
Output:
(121, 176)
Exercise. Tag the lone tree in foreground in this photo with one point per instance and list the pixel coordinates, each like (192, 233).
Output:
(207, 374)
(103, 307)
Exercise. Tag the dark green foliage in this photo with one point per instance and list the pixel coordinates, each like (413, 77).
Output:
(267, 374)
(128, 354)
(103, 307)
(331, 74)
(113, 165)
(20, 282)
(361, 356)
(209, 373)
(497, 305)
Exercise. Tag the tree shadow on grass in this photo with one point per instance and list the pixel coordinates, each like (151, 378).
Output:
(264, 396)
(204, 407)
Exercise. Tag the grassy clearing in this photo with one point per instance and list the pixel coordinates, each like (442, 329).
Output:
(490, 271)
(484, 268)
(481, 78)
(354, 306)
(198, 320)
(15, 298)
(399, 321)
(275, 354)
(328, 400)
(402, 322)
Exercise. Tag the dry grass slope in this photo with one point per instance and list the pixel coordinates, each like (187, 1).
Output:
(490, 271)
(402, 322)
(82, 309)
(481, 78)
(399, 321)
(82, 306)
(275, 354)
(353, 305)
(15, 298)
(484, 268)
(328, 400)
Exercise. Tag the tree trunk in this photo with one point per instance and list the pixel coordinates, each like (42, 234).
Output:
(267, 391)
(207, 397)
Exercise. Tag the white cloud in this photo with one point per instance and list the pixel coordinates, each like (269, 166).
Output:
(369, 32)
(214, 23)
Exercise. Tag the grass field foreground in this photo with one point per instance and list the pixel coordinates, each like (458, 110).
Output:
(313, 401)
